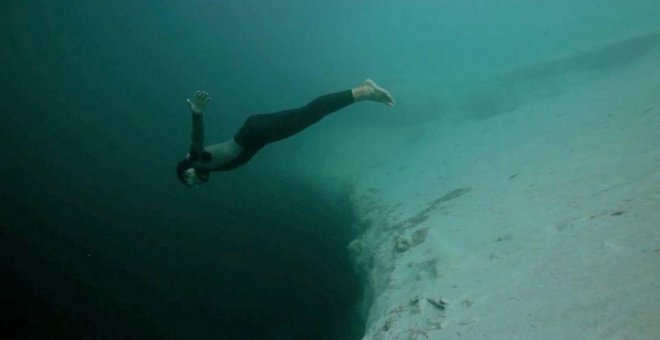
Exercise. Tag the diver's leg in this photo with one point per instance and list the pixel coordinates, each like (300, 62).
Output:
(272, 127)
(279, 125)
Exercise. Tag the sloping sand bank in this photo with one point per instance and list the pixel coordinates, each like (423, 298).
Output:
(538, 222)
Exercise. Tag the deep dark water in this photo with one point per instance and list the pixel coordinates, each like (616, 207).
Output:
(98, 240)
(271, 264)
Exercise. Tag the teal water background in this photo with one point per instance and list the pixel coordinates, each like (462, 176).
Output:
(100, 240)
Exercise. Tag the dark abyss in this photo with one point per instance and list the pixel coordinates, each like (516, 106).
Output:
(271, 264)
(98, 239)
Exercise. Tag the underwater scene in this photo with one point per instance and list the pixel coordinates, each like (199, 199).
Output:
(341, 170)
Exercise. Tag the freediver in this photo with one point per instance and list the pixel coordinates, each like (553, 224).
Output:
(261, 129)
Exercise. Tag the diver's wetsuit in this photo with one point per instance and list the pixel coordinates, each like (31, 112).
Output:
(261, 129)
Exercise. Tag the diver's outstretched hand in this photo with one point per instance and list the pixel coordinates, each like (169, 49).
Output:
(370, 91)
(199, 101)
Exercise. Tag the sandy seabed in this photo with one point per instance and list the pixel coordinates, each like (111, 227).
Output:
(542, 222)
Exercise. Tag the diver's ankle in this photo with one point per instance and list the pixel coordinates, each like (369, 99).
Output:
(362, 92)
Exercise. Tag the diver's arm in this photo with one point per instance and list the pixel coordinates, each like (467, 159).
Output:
(212, 156)
(197, 106)
(197, 136)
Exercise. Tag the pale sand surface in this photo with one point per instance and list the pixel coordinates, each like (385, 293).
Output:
(554, 233)
(556, 237)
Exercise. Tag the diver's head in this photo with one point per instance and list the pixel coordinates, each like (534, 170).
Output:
(190, 176)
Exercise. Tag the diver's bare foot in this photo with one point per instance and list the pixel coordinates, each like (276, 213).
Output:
(370, 91)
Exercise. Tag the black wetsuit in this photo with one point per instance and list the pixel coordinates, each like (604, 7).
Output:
(261, 129)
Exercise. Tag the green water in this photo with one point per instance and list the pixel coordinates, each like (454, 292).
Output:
(100, 241)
